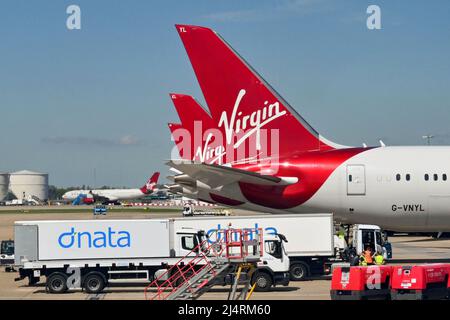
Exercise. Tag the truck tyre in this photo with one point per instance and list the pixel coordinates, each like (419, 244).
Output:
(298, 271)
(263, 281)
(57, 282)
(94, 283)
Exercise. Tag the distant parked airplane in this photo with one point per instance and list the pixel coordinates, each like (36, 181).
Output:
(107, 196)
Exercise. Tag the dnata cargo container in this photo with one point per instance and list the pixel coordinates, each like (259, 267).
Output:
(312, 245)
(108, 251)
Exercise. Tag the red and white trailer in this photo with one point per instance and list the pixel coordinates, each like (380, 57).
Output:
(428, 281)
(360, 283)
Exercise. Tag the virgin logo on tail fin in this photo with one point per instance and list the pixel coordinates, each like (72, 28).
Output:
(151, 183)
(250, 124)
(240, 100)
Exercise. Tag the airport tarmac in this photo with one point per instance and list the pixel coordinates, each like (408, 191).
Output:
(425, 249)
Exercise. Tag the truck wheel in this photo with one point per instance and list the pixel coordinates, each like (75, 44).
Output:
(263, 281)
(298, 271)
(94, 283)
(57, 282)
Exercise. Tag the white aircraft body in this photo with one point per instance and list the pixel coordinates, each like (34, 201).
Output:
(113, 195)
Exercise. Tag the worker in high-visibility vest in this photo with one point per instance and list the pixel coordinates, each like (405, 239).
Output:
(379, 259)
(368, 255)
(362, 260)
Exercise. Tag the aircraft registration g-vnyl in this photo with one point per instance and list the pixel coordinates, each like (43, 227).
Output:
(252, 150)
(107, 196)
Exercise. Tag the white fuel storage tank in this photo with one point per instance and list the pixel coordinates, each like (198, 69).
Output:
(25, 184)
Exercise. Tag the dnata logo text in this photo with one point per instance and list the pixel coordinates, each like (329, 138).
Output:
(213, 236)
(96, 239)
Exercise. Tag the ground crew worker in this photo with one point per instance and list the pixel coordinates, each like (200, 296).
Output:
(342, 241)
(379, 259)
(368, 256)
(362, 260)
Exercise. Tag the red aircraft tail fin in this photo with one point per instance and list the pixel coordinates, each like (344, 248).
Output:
(189, 110)
(151, 183)
(197, 136)
(240, 100)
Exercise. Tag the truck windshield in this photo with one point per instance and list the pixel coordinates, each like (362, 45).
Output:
(189, 242)
(368, 239)
(7, 248)
(274, 248)
(379, 238)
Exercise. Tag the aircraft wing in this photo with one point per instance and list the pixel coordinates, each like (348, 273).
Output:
(216, 175)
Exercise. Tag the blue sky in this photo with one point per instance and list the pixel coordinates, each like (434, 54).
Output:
(96, 99)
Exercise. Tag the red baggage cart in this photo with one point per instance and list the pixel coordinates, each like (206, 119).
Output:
(428, 281)
(360, 283)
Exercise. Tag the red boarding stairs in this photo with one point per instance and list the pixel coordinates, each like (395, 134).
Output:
(194, 274)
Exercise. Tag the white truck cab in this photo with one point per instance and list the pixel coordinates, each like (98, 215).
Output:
(188, 210)
(273, 268)
(6, 252)
(366, 235)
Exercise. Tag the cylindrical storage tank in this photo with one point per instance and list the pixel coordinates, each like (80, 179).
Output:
(25, 184)
(4, 184)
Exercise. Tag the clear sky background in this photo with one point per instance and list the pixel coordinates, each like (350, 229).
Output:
(96, 100)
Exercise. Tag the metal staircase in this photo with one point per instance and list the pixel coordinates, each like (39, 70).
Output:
(193, 275)
(247, 289)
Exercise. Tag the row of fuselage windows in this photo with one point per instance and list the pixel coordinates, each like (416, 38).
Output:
(427, 177)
